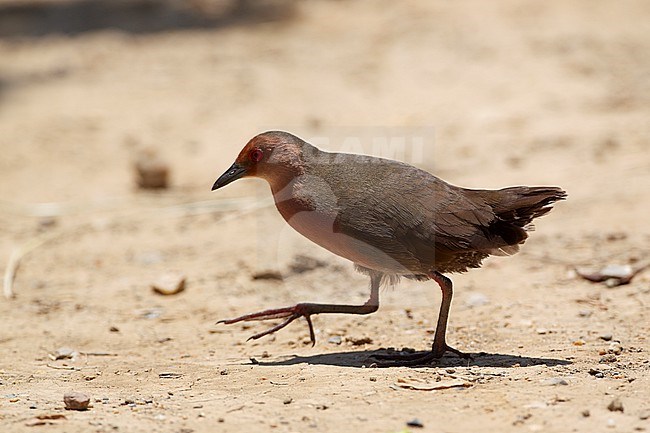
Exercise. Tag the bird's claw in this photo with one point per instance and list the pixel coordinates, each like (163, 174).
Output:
(290, 313)
(417, 358)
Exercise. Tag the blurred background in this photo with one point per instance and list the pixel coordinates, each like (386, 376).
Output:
(514, 91)
(117, 116)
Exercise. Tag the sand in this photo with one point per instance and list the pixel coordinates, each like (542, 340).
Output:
(484, 94)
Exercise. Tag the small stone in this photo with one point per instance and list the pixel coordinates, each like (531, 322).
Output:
(644, 415)
(542, 331)
(287, 400)
(224, 372)
(585, 313)
(151, 171)
(606, 337)
(611, 423)
(586, 413)
(114, 329)
(609, 358)
(302, 263)
(554, 381)
(415, 423)
(335, 340)
(46, 222)
(267, 274)
(579, 342)
(169, 284)
(63, 353)
(477, 299)
(615, 405)
(358, 341)
(76, 400)
(615, 348)
(596, 373)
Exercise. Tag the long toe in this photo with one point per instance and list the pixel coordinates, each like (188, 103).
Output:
(455, 352)
(288, 313)
(406, 359)
(402, 359)
(275, 313)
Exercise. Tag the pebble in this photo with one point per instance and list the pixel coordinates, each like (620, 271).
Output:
(359, 341)
(644, 415)
(415, 423)
(586, 413)
(596, 373)
(152, 172)
(64, 353)
(76, 400)
(267, 274)
(302, 263)
(615, 405)
(610, 357)
(477, 300)
(555, 381)
(287, 400)
(615, 348)
(169, 284)
(606, 337)
(335, 340)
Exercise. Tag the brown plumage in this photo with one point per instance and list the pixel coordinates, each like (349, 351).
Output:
(391, 219)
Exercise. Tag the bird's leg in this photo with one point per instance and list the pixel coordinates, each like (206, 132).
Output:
(439, 342)
(307, 310)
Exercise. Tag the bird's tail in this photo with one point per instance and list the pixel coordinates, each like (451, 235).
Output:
(520, 205)
(515, 208)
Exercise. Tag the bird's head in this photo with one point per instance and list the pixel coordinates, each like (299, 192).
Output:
(274, 156)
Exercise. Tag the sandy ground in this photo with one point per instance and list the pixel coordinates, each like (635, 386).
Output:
(503, 93)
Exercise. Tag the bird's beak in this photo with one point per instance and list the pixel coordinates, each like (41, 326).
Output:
(232, 174)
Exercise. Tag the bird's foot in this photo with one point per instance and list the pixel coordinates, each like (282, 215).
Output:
(288, 313)
(401, 359)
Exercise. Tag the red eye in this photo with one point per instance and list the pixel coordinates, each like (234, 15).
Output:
(256, 155)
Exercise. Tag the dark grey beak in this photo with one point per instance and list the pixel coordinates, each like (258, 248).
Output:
(232, 174)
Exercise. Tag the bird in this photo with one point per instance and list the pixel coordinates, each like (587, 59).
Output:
(389, 218)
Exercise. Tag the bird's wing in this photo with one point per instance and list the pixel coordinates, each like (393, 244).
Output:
(410, 214)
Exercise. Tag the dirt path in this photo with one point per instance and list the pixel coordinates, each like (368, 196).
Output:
(514, 93)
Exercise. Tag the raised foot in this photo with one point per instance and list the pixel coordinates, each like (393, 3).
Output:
(401, 359)
(290, 313)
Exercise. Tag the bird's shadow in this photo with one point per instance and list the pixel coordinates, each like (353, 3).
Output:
(365, 358)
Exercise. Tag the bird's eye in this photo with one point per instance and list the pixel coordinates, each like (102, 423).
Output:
(256, 155)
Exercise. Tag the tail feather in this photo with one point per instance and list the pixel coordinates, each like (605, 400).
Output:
(520, 205)
(515, 208)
